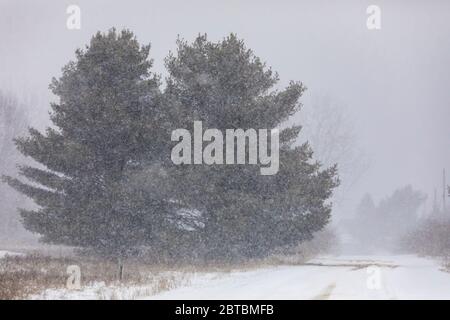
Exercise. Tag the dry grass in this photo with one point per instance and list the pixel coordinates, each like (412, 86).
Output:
(22, 276)
(446, 264)
(34, 274)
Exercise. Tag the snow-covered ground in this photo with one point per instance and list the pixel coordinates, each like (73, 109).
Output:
(328, 277)
(4, 253)
(343, 277)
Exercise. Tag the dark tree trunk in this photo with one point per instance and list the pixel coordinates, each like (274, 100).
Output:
(120, 269)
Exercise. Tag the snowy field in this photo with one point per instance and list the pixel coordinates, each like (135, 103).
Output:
(4, 253)
(328, 277)
(344, 277)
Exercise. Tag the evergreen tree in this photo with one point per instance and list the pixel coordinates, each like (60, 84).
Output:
(107, 132)
(399, 212)
(382, 226)
(366, 208)
(105, 179)
(243, 213)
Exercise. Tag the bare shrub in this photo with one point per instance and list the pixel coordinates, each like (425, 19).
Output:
(430, 238)
(324, 242)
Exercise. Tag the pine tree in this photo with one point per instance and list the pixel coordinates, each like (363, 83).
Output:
(382, 226)
(106, 134)
(105, 180)
(366, 208)
(244, 214)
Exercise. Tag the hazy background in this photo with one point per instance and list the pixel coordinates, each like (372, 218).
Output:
(393, 82)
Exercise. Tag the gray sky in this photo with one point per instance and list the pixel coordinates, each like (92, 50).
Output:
(394, 81)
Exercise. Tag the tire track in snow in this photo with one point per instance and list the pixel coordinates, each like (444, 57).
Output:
(326, 293)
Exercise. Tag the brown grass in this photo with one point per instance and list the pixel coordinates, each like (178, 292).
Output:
(34, 273)
(446, 264)
(22, 276)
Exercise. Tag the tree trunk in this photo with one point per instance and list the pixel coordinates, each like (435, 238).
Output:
(120, 269)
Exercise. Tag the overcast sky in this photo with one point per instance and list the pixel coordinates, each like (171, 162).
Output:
(394, 81)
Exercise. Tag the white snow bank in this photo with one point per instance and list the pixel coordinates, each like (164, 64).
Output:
(102, 291)
(4, 253)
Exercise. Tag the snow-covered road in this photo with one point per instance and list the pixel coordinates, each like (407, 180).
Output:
(343, 277)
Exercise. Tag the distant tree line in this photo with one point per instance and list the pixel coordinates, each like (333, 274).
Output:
(431, 234)
(382, 226)
(399, 223)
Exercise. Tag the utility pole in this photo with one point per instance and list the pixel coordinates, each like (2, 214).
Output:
(444, 189)
(435, 202)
